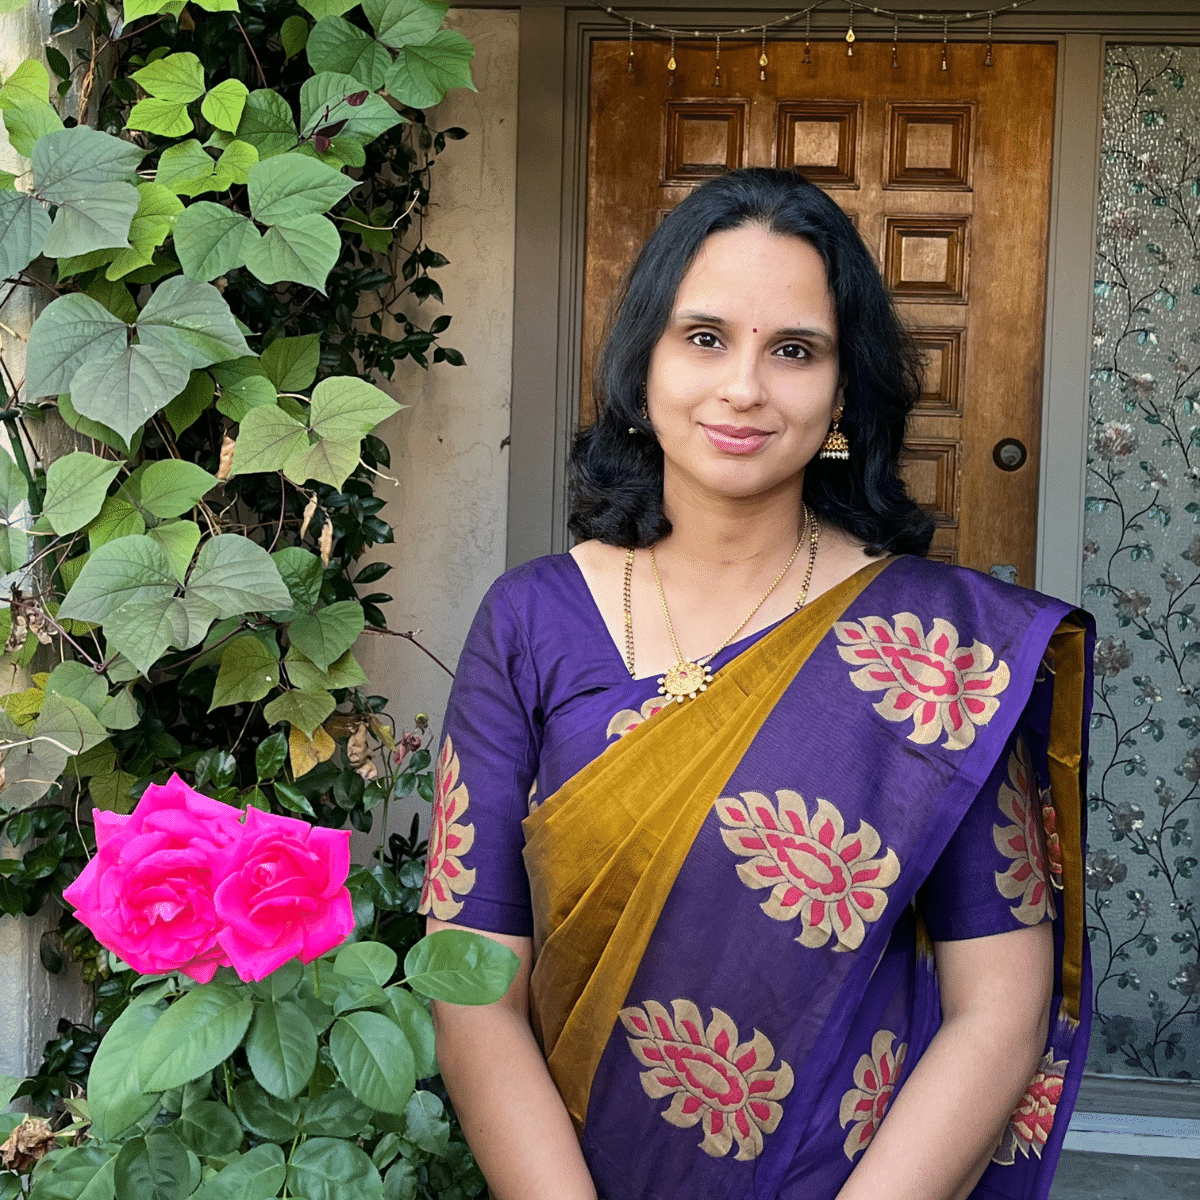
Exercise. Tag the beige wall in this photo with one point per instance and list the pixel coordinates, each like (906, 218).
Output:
(449, 450)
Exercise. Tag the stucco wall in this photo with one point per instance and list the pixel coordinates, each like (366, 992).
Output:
(449, 449)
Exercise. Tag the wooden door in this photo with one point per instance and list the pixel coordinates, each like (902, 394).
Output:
(946, 175)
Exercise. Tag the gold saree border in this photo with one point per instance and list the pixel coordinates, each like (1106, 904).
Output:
(603, 852)
(1068, 646)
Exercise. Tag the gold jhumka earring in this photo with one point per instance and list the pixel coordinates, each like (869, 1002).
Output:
(835, 444)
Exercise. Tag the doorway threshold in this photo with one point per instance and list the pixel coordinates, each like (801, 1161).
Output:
(1150, 1118)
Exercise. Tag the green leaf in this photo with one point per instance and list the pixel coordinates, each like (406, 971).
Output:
(237, 576)
(304, 710)
(27, 87)
(133, 9)
(200, 1029)
(346, 409)
(143, 630)
(294, 35)
(248, 672)
(336, 45)
(302, 574)
(185, 409)
(257, 1175)
(405, 22)
(69, 330)
(110, 792)
(327, 635)
(80, 682)
(71, 162)
(234, 164)
(98, 221)
(239, 397)
(331, 1169)
(93, 429)
(115, 1099)
(290, 363)
(156, 212)
(336, 1113)
(264, 1115)
(27, 126)
(425, 1125)
(82, 1173)
(460, 967)
(422, 75)
(160, 117)
(282, 1048)
(153, 1168)
(343, 673)
(223, 106)
(128, 389)
(187, 169)
(413, 1020)
(400, 1182)
(177, 78)
(75, 488)
(324, 99)
(266, 441)
(171, 487)
(218, 5)
(366, 960)
(269, 758)
(209, 1129)
(210, 239)
(24, 224)
(373, 1059)
(179, 539)
(267, 123)
(118, 572)
(115, 296)
(70, 723)
(291, 186)
(118, 518)
(191, 319)
(301, 251)
(321, 9)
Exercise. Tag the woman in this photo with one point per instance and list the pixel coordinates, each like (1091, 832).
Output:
(788, 920)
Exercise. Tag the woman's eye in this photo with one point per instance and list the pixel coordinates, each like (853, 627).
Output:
(704, 339)
(793, 350)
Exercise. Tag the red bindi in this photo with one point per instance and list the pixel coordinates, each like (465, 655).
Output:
(756, 331)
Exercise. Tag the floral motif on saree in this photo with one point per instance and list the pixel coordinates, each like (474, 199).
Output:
(445, 876)
(713, 1078)
(628, 719)
(864, 1105)
(1025, 879)
(830, 879)
(932, 680)
(1033, 1118)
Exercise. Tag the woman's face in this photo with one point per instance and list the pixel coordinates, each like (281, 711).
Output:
(743, 382)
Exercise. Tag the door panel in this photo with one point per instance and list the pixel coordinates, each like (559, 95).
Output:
(946, 175)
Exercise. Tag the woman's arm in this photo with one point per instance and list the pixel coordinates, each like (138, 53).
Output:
(946, 1120)
(510, 1110)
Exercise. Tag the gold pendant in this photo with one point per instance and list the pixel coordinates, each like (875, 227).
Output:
(685, 681)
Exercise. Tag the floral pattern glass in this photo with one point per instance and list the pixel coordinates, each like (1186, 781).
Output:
(1142, 568)
(828, 879)
(714, 1079)
(445, 876)
(931, 680)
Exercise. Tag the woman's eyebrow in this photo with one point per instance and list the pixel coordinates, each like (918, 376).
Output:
(821, 336)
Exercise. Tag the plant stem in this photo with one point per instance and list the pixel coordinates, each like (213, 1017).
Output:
(410, 636)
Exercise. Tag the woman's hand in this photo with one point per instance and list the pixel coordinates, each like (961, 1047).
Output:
(510, 1110)
(949, 1114)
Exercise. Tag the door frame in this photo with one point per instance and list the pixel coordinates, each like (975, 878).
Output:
(551, 183)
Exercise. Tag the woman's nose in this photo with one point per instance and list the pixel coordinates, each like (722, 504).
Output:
(743, 388)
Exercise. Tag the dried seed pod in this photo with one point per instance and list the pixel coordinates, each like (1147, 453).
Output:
(228, 445)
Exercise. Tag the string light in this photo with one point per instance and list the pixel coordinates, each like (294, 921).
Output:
(896, 16)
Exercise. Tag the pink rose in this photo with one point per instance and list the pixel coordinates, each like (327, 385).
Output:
(147, 894)
(283, 893)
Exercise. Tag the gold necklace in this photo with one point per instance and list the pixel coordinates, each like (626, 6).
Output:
(687, 678)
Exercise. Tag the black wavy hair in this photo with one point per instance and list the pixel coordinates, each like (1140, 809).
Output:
(616, 478)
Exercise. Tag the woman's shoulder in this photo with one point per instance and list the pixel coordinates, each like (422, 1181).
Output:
(539, 595)
(950, 583)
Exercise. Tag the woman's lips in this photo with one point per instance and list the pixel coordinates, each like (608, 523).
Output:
(736, 439)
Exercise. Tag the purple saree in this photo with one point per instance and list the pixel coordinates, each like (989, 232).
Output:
(733, 900)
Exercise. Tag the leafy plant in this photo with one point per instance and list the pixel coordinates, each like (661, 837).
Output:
(229, 242)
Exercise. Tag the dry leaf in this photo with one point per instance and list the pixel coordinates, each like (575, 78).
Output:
(228, 445)
(306, 753)
(310, 511)
(325, 542)
(357, 750)
(31, 1140)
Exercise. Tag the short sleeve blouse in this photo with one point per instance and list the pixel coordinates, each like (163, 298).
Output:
(541, 690)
